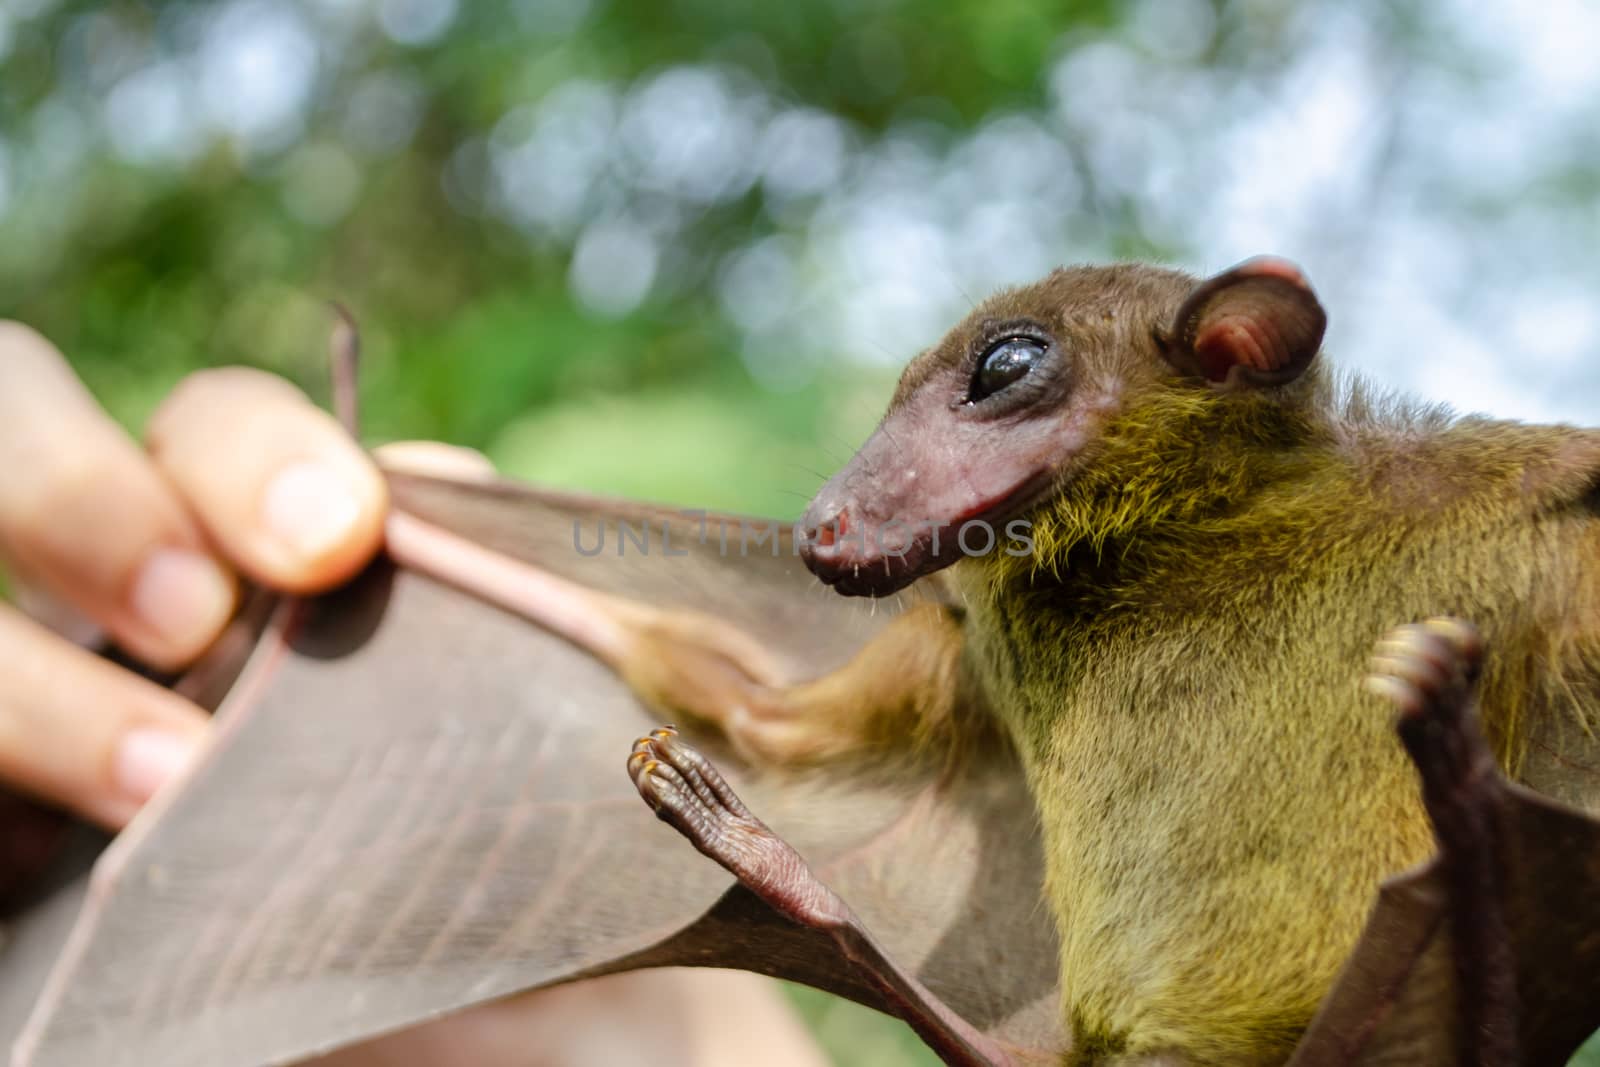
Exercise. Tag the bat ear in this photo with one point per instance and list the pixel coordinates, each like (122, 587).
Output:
(1255, 324)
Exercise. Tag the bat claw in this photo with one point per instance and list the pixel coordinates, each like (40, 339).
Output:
(1428, 669)
(687, 792)
(1429, 672)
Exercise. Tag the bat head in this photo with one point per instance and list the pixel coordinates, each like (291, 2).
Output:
(987, 423)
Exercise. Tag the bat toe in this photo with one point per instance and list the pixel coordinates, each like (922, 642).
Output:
(1427, 668)
(687, 791)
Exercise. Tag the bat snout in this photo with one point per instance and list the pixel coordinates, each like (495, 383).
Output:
(859, 557)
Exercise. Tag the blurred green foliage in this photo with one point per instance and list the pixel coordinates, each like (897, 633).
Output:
(851, 1034)
(142, 273)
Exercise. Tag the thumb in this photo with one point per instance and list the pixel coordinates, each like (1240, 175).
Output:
(276, 482)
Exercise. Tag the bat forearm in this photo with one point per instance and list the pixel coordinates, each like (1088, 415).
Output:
(589, 619)
(901, 690)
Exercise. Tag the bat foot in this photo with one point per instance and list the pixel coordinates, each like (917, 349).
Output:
(1429, 672)
(688, 793)
(1428, 669)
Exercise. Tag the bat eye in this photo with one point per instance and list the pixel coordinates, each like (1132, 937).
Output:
(1005, 363)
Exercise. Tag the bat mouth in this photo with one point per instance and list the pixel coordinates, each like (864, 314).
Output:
(877, 560)
(851, 573)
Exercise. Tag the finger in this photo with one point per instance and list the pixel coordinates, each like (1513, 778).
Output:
(276, 482)
(84, 513)
(434, 458)
(37, 602)
(81, 732)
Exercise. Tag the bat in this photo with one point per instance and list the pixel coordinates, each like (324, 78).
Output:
(415, 803)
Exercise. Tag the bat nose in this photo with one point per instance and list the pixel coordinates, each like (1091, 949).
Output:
(824, 530)
(828, 531)
(838, 546)
(822, 527)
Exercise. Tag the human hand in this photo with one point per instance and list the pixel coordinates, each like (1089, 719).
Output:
(240, 476)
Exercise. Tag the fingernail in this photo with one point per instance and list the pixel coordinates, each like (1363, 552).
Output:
(311, 508)
(147, 758)
(183, 596)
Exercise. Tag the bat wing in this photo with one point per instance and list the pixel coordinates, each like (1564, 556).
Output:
(1398, 998)
(1414, 992)
(416, 802)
